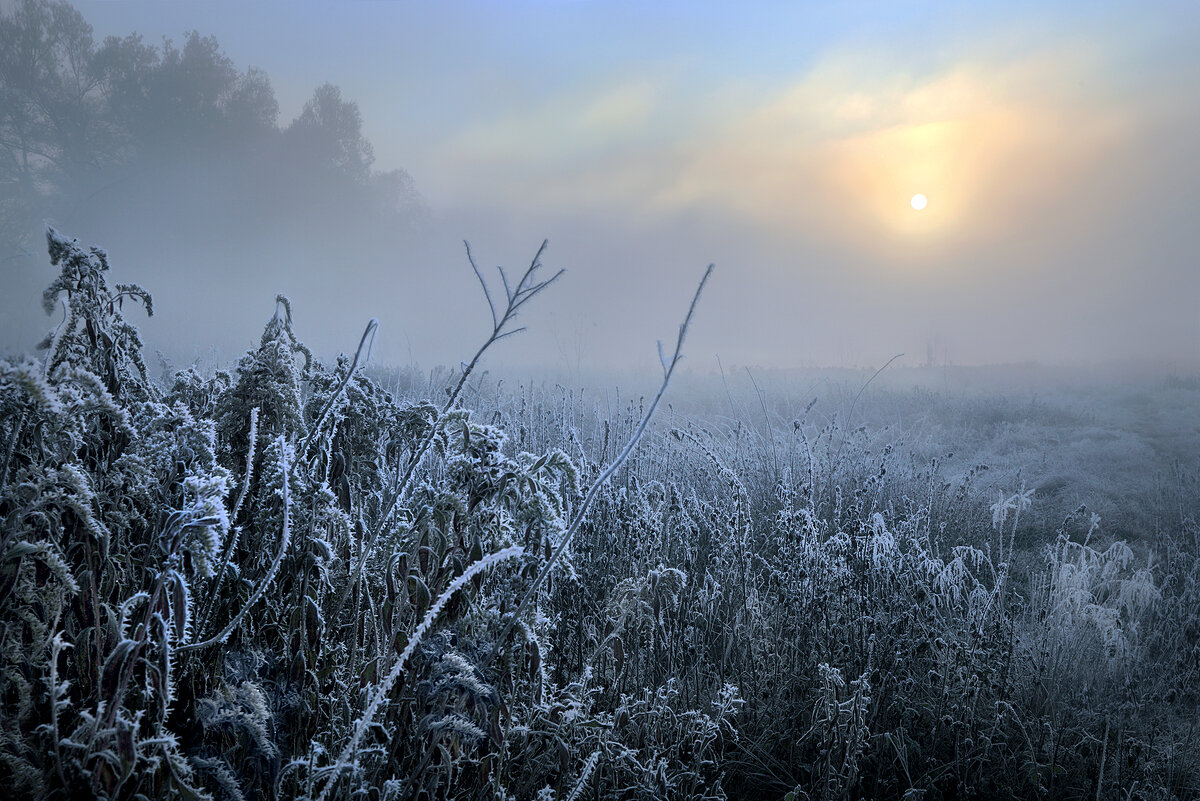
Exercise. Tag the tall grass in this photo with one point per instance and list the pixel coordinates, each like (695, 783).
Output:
(284, 581)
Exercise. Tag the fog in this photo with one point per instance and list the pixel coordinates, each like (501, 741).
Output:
(904, 505)
(782, 144)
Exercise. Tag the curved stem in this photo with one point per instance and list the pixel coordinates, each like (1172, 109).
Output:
(594, 490)
(266, 582)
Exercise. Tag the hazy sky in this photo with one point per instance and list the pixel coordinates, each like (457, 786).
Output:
(1055, 141)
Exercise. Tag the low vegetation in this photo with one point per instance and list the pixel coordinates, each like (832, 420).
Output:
(283, 581)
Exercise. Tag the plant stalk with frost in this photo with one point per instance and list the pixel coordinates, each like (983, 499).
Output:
(668, 368)
(384, 687)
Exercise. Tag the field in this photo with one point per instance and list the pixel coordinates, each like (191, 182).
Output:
(296, 579)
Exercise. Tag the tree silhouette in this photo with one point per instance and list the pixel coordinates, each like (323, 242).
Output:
(83, 125)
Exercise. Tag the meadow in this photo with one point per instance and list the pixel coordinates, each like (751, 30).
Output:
(296, 579)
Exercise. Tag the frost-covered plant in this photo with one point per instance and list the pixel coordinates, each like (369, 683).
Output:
(93, 334)
(286, 582)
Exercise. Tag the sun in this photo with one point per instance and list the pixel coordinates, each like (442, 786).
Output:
(919, 202)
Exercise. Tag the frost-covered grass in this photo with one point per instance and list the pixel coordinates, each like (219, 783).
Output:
(284, 581)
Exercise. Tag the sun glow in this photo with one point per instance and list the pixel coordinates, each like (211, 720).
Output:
(836, 151)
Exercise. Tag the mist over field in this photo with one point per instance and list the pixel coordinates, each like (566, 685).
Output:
(781, 143)
(814, 412)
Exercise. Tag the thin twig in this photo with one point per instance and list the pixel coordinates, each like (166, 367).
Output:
(581, 512)
(767, 417)
(853, 403)
(372, 327)
(527, 289)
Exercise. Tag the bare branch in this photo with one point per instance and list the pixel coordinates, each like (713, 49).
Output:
(482, 283)
(603, 478)
(504, 279)
(515, 299)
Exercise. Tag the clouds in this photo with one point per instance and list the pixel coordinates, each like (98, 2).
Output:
(1041, 165)
(833, 153)
(783, 142)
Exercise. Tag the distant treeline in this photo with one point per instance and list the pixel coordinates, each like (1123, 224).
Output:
(127, 124)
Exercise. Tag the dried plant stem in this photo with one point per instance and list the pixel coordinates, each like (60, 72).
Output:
(231, 541)
(594, 490)
(528, 287)
(384, 687)
(854, 403)
(12, 446)
(284, 541)
(363, 344)
(584, 775)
